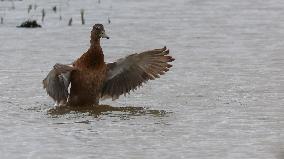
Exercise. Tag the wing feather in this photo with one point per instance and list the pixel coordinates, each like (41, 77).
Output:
(128, 73)
(57, 81)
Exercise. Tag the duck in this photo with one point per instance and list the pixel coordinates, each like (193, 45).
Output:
(90, 79)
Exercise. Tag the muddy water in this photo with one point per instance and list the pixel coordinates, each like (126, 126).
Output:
(222, 99)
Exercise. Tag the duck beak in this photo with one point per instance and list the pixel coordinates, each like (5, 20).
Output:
(104, 35)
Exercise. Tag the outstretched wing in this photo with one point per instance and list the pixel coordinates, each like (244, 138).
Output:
(130, 72)
(57, 81)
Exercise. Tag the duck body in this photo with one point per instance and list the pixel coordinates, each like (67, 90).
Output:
(92, 79)
(88, 78)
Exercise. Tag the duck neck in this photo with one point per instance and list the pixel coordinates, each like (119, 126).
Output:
(95, 52)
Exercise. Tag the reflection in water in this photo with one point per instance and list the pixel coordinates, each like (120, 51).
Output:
(96, 111)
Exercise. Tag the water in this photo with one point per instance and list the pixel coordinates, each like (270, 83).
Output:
(222, 99)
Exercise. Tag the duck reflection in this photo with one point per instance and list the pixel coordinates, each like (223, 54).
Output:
(99, 110)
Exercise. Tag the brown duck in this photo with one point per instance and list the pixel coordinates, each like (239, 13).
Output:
(92, 79)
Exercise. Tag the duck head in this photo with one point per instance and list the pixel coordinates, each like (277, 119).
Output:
(98, 32)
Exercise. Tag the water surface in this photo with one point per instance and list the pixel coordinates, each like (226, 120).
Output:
(222, 99)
